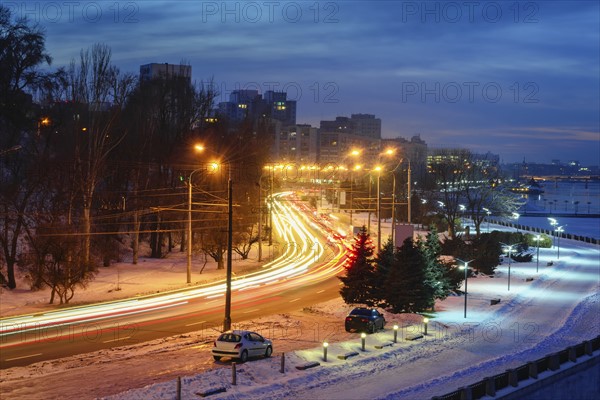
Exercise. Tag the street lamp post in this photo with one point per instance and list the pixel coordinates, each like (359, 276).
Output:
(553, 222)
(488, 213)
(408, 197)
(537, 260)
(199, 148)
(465, 266)
(516, 216)
(227, 320)
(559, 231)
(354, 153)
(379, 211)
(510, 248)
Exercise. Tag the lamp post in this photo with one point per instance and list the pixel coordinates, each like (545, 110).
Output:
(391, 152)
(198, 148)
(553, 222)
(462, 209)
(488, 213)
(260, 206)
(508, 247)
(353, 153)
(465, 266)
(559, 231)
(189, 227)
(516, 216)
(378, 169)
(408, 197)
(537, 260)
(227, 320)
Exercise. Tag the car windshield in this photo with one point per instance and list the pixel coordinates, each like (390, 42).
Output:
(230, 337)
(361, 311)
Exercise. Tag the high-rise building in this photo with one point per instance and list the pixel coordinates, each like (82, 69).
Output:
(164, 71)
(339, 137)
(244, 104)
(295, 144)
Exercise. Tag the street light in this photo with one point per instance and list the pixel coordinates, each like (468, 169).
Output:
(553, 222)
(353, 153)
(227, 320)
(391, 152)
(559, 231)
(516, 216)
(465, 266)
(189, 227)
(508, 247)
(198, 148)
(488, 213)
(214, 167)
(537, 260)
(378, 169)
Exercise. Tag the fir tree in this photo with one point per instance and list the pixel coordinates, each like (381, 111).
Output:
(384, 262)
(436, 283)
(405, 290)
(358, 284)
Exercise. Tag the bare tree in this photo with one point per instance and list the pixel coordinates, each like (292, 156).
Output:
(22, 52)
(56, 261)
(450, 169)
(100, 88)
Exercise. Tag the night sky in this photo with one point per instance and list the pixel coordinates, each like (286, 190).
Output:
(519, 79)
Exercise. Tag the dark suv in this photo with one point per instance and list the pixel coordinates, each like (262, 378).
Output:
(363, 319)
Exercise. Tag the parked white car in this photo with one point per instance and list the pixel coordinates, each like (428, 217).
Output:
(241, 345)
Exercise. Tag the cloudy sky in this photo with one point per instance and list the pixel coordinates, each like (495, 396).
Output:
(517, 78)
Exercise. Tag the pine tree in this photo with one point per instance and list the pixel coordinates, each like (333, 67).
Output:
(358, 284)
(405, 290)
(384, 262)
(436, 284)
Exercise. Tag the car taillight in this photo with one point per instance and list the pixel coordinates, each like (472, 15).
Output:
(237, 346)
(215, 343)
(348, 319)
(364, 320)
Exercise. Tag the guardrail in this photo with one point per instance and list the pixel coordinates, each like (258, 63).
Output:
(562, 235)
(512, 377)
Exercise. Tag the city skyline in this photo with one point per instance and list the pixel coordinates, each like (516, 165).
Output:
(519, 79)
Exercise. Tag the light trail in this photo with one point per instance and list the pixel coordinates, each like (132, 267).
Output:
(302, 251)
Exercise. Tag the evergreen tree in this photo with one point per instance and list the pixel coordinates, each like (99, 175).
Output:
(384, 262)
(358, 284)
(436, 283)
(405, 290)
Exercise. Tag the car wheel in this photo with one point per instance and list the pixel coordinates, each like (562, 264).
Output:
(372, 328)
(217, 358)
(244, 356)
(268, 352)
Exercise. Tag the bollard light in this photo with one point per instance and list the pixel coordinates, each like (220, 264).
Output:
(325, 345)
(362, 340)
(395, 333)
(425, 321)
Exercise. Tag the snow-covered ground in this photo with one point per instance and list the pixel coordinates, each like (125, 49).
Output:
(557, 308)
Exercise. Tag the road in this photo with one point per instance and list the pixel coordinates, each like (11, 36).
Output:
(304, 274)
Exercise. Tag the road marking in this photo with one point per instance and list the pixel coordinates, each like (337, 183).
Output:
(291, 301)
(116, 340)
(20, 358)
(196, 323)
(321, 291)
(249, 311)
